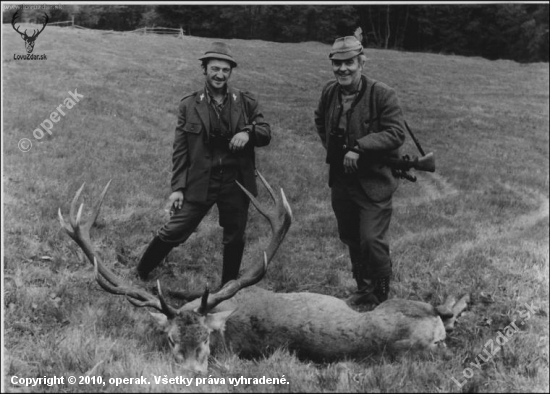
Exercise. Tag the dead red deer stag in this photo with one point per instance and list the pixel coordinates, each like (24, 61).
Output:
(253, 321)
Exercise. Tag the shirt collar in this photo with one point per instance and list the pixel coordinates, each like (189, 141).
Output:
(210, 96)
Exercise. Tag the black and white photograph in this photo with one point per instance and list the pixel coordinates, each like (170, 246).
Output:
(275, 196)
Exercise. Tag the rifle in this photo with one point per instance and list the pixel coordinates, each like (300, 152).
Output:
(423, 163)
(401, 166)
(405, 163)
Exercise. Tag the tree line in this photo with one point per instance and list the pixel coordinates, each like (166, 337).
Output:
(494, 31)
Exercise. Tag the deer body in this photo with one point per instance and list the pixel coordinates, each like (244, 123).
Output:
(324, 328)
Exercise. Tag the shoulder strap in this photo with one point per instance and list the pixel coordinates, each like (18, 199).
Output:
(371, 106)
(415, 140)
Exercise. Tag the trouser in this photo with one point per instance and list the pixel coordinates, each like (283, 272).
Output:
(363, 226)
(232, 205)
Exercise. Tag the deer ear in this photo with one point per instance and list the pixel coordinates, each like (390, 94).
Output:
(160, 318)
(216, 321)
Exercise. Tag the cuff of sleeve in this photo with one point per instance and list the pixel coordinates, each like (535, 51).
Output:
(249, 129)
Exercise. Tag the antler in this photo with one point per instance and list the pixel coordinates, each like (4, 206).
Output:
(24, 35)
(13, 18)
(280, 221)
(80, 232)
(43, 26)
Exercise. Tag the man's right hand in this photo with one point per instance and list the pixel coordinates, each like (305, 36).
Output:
(176, 200)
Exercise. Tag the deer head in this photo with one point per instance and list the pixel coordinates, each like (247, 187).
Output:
(29, 41)
(187, 328)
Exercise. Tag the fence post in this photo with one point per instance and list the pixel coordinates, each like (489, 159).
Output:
(72, 21)
(145, 30)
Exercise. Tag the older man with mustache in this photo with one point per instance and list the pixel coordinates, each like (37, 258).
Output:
(359, 119)
(218, 128)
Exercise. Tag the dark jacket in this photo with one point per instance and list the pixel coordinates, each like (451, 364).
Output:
(383, 137)
(192, 157)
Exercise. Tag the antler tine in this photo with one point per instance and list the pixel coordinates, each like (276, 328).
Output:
(166, 309)
(79, 215)
(254, 202)
(268, 187)
(95, 211)
(43, 26)
(97, 207)
(62, 222)
(287, 212)
(203, 309)
(72, 209)
(13, 19)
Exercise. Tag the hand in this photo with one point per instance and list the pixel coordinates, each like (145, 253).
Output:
(239, 141)
(175, 200)
(350, 162)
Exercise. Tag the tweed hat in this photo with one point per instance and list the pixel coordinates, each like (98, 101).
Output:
(345, 48)
(219, 50)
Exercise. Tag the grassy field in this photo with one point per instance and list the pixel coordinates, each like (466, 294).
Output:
(478, 225)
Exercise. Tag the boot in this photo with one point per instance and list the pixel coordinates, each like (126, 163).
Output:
(232, 256)
(382, 288)
(153, 256)
(365, 287)
(364, 294)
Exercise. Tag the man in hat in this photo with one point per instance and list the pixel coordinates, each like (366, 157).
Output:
(359, 119)
(217, 130)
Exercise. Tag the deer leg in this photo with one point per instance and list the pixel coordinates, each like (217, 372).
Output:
(457, 309)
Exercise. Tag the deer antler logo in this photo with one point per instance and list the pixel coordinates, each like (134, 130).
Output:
(29, 41)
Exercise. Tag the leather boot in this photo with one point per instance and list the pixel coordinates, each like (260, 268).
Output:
(364, 294)
(153, 256)
(382, 288)
(365, 287)
(232, 256)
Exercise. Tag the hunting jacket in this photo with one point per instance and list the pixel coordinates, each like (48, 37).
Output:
(192, 155)
(380, 134)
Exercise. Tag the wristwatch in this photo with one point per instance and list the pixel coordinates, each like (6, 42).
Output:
(253, 128)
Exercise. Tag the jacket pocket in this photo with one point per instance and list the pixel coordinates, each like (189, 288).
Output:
(193, 128)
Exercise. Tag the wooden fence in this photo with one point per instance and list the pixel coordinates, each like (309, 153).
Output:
(143, 30)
